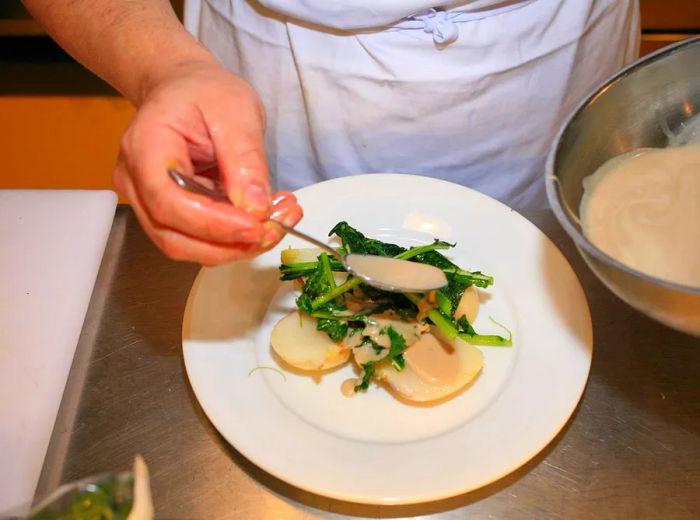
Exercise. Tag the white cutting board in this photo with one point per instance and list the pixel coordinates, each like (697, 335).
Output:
(51, 245)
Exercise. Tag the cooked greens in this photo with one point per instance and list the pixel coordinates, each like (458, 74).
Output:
(344, 306)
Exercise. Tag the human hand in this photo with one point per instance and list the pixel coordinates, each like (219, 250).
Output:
(204, 121)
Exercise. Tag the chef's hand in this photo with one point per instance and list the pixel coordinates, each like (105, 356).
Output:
(203, 120)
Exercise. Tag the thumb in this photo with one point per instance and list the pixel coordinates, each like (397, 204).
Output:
(240, 154)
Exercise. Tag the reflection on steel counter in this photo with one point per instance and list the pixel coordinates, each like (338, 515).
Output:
(632, 449)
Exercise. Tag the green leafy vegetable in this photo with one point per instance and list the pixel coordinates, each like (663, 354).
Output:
(327, 300)
(335, 328)
(396, 350)
(394, 355)
(355, 242)
(368, 371)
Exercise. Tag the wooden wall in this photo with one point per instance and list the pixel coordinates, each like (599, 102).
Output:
(668, 21)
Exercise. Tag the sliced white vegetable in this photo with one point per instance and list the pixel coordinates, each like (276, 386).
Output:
(468, 305)
(302, 255)
(411, 387)
(295, 339)
(142, 507)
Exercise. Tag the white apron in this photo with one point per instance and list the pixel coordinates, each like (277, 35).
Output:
(472, 93)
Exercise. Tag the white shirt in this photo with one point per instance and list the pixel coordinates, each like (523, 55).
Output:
(473, 94)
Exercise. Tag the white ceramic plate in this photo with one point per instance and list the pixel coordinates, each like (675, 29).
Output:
(372, 448)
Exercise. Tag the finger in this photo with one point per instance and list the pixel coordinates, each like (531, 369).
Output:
(285, 210)
(282, 196)
(179, 246)
(240, 152)
(147, 152)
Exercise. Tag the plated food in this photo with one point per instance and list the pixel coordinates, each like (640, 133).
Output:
(420, 346)
(373, 448)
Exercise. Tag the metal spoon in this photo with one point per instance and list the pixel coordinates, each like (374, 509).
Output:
(388, 274)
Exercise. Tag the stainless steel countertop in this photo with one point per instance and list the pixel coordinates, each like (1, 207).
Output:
(631, 450)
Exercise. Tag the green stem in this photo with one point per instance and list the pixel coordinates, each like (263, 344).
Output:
(294, 271)
(301, 266)
(326, 266)
(334, 293)
(415, 251)
(449, 330)
(487, 340)
(476, 278)
(339, 317)
(443, 302)
(437, 318)
(413, 297)
(442, 323)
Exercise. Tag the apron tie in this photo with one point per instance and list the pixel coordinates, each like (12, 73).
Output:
(438, 23)
(443, 24)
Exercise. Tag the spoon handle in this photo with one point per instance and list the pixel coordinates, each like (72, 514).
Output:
(193, 186)
(293, 231)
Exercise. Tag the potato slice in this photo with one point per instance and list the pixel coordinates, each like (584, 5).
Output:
(468, 305)
(295, 339)
(299, 255)
(412, 387)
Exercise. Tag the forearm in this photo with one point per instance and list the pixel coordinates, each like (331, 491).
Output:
(129, 43)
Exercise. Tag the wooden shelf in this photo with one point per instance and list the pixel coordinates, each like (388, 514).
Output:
(670, 15)
(20, 27)
(655, 41)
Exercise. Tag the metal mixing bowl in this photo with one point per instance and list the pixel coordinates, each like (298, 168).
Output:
(636, 108)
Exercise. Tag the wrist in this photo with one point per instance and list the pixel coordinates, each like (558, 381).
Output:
(189, 55)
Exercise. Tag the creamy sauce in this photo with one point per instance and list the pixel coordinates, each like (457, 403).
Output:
(408, 329)
(433, 361)
(367, 353)
(389, 273)
(643, 209)
(347, 388)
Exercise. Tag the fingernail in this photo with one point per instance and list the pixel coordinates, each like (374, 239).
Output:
(285, 216)
(279, 197)
(277, 214)
(282, 196)
(255, 198)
